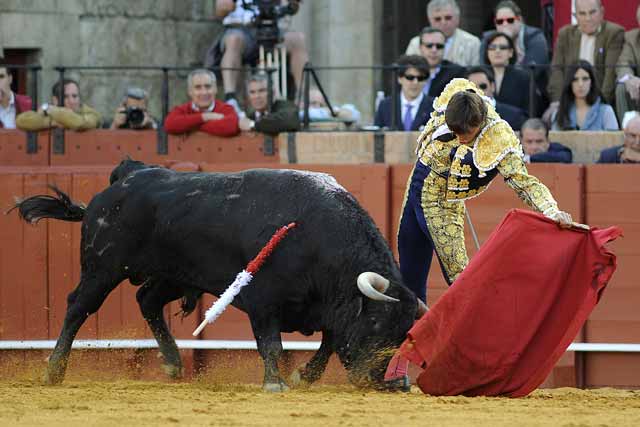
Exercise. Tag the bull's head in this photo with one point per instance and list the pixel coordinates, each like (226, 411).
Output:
(383, 317)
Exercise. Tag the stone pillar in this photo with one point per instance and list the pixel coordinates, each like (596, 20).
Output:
(344, 33)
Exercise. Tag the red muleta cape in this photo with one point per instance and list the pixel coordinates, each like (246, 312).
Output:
(514, 310)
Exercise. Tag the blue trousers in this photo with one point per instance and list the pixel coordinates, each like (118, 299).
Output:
(415, 244)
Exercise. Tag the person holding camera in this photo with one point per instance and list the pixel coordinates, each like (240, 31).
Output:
(132, 113)
(72, 115)
(239, 42)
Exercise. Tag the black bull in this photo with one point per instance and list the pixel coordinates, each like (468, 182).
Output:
(177, 235)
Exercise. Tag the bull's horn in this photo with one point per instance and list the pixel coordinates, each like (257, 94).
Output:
(422, 309)
(373, 285)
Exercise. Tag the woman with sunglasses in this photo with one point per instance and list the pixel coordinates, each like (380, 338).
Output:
(512, 84)
(530, 44)
(581, 106)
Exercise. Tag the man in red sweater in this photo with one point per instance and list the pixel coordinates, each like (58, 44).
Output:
(203, 113)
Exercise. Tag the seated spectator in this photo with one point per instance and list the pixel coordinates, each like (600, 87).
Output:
(11, 104)
(536, 145)
(629, 152)
(282, 117)
(461, 47)
(319, 110)
(73, 115)
(593, 39)
(441, 71)
(132, 112)
(512, 84)
(413, 107)
(203, 112)
(581, 107)
(482, 76)
(530, 42)
(628, 72)
(237, 45)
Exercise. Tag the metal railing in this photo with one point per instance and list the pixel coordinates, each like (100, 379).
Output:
(535, 71)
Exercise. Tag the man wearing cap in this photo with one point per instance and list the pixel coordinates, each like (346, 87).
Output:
(132, 112)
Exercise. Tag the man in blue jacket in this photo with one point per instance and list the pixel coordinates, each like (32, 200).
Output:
(536, 145)
(629, 152)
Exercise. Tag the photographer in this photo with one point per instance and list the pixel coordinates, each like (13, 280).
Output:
(238, 43)
(132, 113)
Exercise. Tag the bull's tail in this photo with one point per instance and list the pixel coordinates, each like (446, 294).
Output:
(35, 208)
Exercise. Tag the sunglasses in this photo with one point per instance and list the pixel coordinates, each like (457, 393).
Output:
(441, 18)
(411, 77)
(483, 86)
(498, 47)
(500, 21)
(438, 46)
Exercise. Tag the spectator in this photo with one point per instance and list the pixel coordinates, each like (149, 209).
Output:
(237, 44)
(536, 145)
(432, 43)
(512, 84)
(581, 107)
(282, 117)
(203, 112)
(482, 76)
(132, 112)
(73, 115)
(530, 43)
(594, 40)
(413, 107)
(628, 71)
(629, 152)
(319, 110)
(461, 47)
(11, 104)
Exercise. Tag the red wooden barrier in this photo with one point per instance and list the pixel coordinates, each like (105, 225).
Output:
(202, 148)
(611, 198)
(13, 149)
(103, 146)
(41, 265)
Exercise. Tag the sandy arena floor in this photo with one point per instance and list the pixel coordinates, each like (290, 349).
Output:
(121, 403)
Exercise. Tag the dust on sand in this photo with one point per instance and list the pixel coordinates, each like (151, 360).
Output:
(126, 402)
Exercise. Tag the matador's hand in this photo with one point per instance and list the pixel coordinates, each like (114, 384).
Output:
(562, 218)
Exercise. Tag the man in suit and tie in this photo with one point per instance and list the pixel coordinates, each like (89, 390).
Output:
(413, 107)
(432, 43)
(461, 47)
(593, 39)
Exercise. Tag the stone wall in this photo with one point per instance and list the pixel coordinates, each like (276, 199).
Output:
(107, 33)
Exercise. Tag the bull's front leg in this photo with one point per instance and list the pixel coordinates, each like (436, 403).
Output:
(266, 329)
(311, 371)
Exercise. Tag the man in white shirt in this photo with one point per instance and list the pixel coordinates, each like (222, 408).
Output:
(238, 45)
(11, 104)
(461, 47)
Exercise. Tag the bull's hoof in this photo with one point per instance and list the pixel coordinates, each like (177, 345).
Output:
(296, 379)
(53, 377)
(399, 384)
(278, 387)
(174, 372)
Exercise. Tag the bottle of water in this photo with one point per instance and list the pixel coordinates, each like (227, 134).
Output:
(379, 98)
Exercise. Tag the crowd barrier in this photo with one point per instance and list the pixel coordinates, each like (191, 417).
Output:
(106, 147)
(40, 265)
